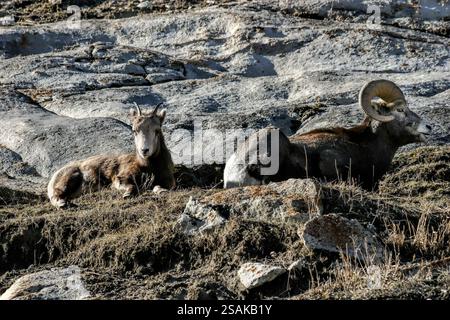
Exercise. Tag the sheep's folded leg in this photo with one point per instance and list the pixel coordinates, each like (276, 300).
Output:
(130, 191)
(158, 189)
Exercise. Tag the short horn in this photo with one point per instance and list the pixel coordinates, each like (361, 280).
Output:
(139, 113)
(157, 107)
(384, 89)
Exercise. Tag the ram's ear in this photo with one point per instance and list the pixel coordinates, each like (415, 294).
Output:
(162, 115)
(397, 105)
(381, 107)
(366, 120)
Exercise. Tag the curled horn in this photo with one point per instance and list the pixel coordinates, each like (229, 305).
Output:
(384, 89)
(139, 113)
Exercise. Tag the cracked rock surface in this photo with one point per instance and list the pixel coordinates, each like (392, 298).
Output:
(334, 233)
(294, 199)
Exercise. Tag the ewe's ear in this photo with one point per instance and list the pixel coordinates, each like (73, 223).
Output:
(162, 115)
(132, 114)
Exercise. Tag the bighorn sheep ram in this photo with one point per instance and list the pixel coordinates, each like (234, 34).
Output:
(363, 152)
(126, 172)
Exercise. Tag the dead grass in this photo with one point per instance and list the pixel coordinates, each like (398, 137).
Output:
(34, 12)
(420, 174)
(133, 249)
(390, 280)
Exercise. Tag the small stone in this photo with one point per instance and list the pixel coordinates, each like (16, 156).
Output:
(53, 284)
(199, 218)
(131, 68)
(7, 21)
(255, 274)
(334, 233)
(55, 2)
(145, 5)
(99, 53)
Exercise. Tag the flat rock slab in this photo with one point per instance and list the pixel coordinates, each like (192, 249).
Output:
(46, 141)
(87, 68)
(54, 284)
(334, 233)
(254, 274)
(294, 199)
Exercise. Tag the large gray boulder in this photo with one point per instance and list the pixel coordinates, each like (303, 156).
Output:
(254, 274)
(291, 200)
(334, 233)
(53, 284)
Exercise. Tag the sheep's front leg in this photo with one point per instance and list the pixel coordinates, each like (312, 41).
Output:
(121, 185)
(130, 191)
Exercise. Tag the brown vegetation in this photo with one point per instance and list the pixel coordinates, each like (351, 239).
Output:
(133, 249)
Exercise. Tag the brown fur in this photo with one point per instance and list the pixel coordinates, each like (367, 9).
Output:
(362, 153)
(130, 173)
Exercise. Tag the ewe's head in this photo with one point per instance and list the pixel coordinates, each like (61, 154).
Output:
(404, 125)
(147, 131)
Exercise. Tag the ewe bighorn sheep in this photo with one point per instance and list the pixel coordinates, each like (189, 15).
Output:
(126, 172)
(363, 152)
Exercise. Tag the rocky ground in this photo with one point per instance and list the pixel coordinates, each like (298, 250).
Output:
(67, 85)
